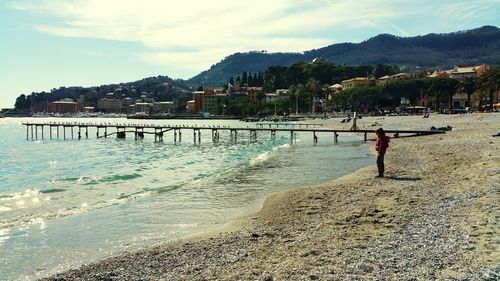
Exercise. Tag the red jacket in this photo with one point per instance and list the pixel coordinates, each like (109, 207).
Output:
(382, 144)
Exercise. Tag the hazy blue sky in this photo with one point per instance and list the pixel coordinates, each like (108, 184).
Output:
(46, 44)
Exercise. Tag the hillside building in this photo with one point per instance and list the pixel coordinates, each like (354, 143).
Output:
(214, 104)
(109, 105)
(140, 108)
(63, 106)
(389, 78)
(191, 106)
(460, 72)
(162, 108)
(355, 82)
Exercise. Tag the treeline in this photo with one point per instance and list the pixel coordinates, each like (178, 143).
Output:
(282, 77)
(248, 79)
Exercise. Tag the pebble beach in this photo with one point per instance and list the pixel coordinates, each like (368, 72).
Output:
(435, 216)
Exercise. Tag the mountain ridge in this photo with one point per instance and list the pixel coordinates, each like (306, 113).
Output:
(466, 47)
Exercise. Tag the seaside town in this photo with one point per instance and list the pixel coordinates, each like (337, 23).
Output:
(463, 89)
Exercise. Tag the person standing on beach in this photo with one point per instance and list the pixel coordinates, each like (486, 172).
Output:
(381, 146)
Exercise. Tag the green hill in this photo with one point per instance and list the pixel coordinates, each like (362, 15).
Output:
(471, 47)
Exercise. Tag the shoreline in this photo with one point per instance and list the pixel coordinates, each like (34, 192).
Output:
(435, 216)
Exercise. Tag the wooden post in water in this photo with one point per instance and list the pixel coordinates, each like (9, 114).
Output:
(175, 135)
(199, 136)
(50, 131)
(315, 138)
(57, 131)
(180, 135)
(36, 132)
(335, 137)
(42, 131)
(27, 132)
(366, 136)
(194, 136)
(79, 133)
(86, 132)
(105, 132)
(64, 130)
(71, 132)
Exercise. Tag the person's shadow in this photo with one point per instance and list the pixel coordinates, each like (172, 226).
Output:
(402, 178)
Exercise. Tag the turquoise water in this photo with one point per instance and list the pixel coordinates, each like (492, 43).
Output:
(66, 203)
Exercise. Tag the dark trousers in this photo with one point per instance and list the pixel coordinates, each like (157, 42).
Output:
(380, 164)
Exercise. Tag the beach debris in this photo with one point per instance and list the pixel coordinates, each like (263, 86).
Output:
(268, 278)
(445, 128)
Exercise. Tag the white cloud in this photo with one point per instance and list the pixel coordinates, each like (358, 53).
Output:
(197, 33)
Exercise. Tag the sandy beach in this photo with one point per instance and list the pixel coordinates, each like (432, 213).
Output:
(435, 216)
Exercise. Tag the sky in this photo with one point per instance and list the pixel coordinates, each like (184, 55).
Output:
(46, 44)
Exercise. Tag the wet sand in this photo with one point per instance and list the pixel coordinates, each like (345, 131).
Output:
(435, 215)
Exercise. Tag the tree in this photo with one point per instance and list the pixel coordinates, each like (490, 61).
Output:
(381, 70)
(489, 83)
(365, 98)
(91, 99)
(275, 78)
(409, 89)
(241, 106)
(260, 79)
(468, 86)
(297, 95)
(260, 97)
(250, 80)
(22, 103)
(314, 87)
(244, 78)
(443, 88)
(341, 99)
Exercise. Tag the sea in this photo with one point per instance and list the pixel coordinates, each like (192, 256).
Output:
(64, 203)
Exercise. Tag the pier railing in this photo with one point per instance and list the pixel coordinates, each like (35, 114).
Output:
(104, 130)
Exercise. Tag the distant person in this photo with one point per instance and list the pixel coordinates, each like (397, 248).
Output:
(381, 146)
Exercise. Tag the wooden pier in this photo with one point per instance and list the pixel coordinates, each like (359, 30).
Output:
(287, 125)
(104, 130)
